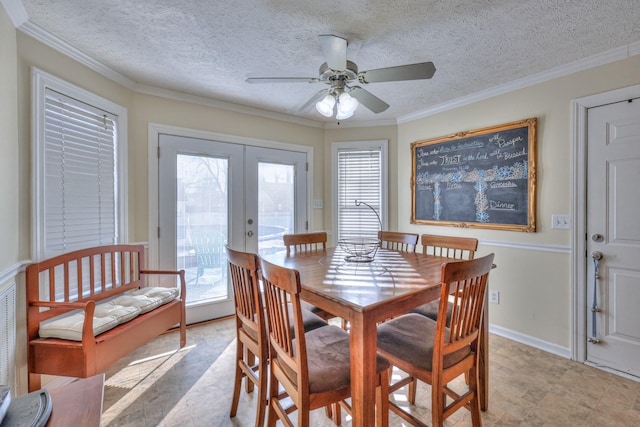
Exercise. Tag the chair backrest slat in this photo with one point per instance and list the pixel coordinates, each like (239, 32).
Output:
(305, 242)
(282, 293)
(449, 246)
(464, 284)
(398, 241)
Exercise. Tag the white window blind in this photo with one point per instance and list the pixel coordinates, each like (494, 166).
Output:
(359, 178)
(80, 175)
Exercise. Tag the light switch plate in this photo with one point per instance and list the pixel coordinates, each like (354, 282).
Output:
(562, 222)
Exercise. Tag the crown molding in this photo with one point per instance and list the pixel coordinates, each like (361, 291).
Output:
(43, 36)
(16, 12)
(603, 58)
(223, 105)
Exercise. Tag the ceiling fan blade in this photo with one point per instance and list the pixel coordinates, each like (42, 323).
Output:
(282, 79)
(335, 51)
(422, 70)
(312, 101)
(368, 99)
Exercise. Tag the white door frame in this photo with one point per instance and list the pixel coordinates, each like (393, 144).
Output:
(156, 129)
(579, 187)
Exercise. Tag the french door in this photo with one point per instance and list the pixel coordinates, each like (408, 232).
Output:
(213, 194)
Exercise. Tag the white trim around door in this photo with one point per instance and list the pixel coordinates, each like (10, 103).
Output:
(579, 186)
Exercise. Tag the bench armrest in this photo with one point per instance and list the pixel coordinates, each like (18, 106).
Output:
(183, 283)
(88, 307)
(55, 304)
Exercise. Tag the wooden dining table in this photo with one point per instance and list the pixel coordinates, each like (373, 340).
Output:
(364, 294)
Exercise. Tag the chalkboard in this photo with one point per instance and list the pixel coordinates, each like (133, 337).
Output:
(483, 178)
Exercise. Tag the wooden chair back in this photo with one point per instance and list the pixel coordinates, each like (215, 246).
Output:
(449, 246)
(305, 242)
(464, 284)
(251, 329)
(249, 306)
(288, 350)
(397, 241)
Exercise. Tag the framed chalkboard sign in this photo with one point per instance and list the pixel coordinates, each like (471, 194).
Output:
(484, 178)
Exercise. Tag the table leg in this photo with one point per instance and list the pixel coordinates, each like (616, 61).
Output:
(363, 348)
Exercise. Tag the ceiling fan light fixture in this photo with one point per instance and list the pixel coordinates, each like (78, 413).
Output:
(341, 115)
(347, 105)
(325, 106)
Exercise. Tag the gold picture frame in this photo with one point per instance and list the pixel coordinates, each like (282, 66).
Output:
(483, 178)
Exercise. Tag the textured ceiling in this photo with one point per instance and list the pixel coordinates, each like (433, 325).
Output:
(209, 47)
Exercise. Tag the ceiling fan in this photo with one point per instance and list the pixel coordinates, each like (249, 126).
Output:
(340, 74)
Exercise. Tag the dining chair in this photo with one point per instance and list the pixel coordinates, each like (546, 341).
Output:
(429, 351)
(312, 368)
(305, 242)
(252, 349)
(397, 241)
(308, 243)
(462, 248)
(449, 246)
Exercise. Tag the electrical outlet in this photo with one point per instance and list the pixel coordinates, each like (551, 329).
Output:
(494, 297)
(562, 222)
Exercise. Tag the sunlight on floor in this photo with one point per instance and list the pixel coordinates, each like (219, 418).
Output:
(138, 376)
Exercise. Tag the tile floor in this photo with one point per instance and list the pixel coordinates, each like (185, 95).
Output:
(160, 386)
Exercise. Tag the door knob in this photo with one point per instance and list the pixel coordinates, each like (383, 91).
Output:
(250, 233)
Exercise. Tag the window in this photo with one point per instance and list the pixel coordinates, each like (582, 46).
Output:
(78, 163)
(359, 173)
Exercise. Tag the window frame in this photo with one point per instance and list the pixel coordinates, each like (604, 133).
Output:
(40, 82)
(382, 146)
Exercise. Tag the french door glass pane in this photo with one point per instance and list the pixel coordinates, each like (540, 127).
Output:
(276, 205)
(202, 225)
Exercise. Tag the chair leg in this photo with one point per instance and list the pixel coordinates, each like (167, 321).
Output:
(474, 404)
(382, 399)
(263, 397)
(337, 414)
(303, 417)
(328, 411)
(238, 380)
(273, 391)
(413, 388)
(437, 402)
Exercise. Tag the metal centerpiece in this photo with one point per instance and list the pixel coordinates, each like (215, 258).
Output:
(361, 249)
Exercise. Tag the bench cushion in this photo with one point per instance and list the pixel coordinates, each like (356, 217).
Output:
(109, 313)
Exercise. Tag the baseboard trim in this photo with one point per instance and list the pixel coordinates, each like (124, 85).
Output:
(531, 341)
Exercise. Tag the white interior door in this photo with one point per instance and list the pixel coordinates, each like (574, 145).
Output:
(214, 193)
(613, 230)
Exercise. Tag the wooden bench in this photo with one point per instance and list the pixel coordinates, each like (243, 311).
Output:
(74, 283)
